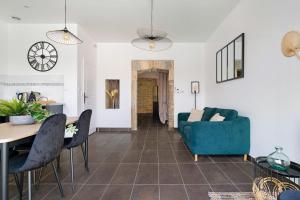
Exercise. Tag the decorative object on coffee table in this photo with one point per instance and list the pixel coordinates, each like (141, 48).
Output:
(269, 188)
(278, 160)
(195, 89)
(262, 167)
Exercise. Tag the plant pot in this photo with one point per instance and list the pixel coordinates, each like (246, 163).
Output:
(21, 120)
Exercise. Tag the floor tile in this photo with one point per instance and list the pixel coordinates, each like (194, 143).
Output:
(147, 174)
(80, 173)
(114, 157)
(125, 174)
(169, 174)
(172, 192)
(196, 192)
(191, 174)
(149, 156)
(245, 187)
(234, 173)
(68, 193)
(166, 157)
(117, 192)
(90, 192)
(184, 157)
(132, 157)
(103, 174)
(213, 174)
(224, 188)
(145, 192)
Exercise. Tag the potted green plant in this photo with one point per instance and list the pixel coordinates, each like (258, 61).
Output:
(37, 112)
(20, 112)
(16, 110)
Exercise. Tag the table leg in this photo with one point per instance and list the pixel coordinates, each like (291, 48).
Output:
(4, 171)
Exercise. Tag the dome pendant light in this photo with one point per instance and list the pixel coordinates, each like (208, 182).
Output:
(150, 39)
(64, 36)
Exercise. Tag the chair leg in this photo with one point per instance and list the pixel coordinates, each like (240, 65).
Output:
(58, 163)
(33, 177)
(18, 184)
(39, 178)
(21, 184)
(57, 179)
(29, 185)
(72, 168)
(87, 155)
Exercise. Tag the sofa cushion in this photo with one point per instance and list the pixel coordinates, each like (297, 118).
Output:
(208, 113)
(289, 195)
(217, 118)
(229, 114)
(196, 115)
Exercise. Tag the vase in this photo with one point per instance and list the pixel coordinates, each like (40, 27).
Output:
(21, 120)
(278, 160)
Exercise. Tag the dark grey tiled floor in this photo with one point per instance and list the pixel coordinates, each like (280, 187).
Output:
(152, 163)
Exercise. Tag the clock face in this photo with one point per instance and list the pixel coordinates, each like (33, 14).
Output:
(42, 56)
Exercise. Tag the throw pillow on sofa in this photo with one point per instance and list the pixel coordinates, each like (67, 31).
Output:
(195, 115)
(217, 118)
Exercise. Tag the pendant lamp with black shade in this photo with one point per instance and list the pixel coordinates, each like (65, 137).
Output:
(64, 36)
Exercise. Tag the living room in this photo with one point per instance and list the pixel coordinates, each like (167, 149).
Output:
(101, 74)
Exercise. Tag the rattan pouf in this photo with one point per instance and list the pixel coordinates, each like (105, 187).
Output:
(268, 188)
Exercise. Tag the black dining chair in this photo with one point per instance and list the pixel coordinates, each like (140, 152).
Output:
(46, 147)
(80, 139)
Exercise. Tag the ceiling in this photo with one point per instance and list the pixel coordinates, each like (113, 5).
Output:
(118, 20)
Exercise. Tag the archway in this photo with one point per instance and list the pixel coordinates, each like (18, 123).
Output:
(146, 65)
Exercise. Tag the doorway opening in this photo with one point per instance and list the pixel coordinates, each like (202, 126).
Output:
(152, 91)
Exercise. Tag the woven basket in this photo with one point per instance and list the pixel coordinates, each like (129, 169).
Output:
(269, 188)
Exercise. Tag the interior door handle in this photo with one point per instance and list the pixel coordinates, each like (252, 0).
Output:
(85, 97)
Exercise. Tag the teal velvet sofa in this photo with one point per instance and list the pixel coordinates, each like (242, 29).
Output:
(228, 137)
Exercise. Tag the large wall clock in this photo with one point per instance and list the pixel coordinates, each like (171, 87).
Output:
(42, 56)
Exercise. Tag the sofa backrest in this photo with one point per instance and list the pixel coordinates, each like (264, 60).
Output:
(229, 114)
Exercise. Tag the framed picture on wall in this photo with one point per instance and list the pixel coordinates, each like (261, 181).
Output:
(195, 87)
(112, 94)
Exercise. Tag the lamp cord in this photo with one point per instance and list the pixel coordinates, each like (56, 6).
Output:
(65, 14)
(151, 17)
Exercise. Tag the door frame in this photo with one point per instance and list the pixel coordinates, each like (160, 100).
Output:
(146, 65)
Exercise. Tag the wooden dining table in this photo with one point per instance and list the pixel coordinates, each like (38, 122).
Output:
(9, 134)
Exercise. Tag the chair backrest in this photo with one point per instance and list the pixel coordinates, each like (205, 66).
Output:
(48, 142)
(83, 126)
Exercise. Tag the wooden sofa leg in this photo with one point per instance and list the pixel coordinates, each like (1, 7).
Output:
(245, 157)
(196, 157)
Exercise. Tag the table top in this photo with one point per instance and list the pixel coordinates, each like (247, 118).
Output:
(10, 133)
(293, 171)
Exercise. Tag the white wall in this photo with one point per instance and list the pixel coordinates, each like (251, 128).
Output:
(114, 62)
(3, 46)
(3, 54)
(21, 37)
(270, 92)
(87, 62)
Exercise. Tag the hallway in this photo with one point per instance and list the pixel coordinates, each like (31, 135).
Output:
(151, 163)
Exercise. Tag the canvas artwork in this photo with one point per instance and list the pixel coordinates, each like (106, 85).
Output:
(112, 94)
